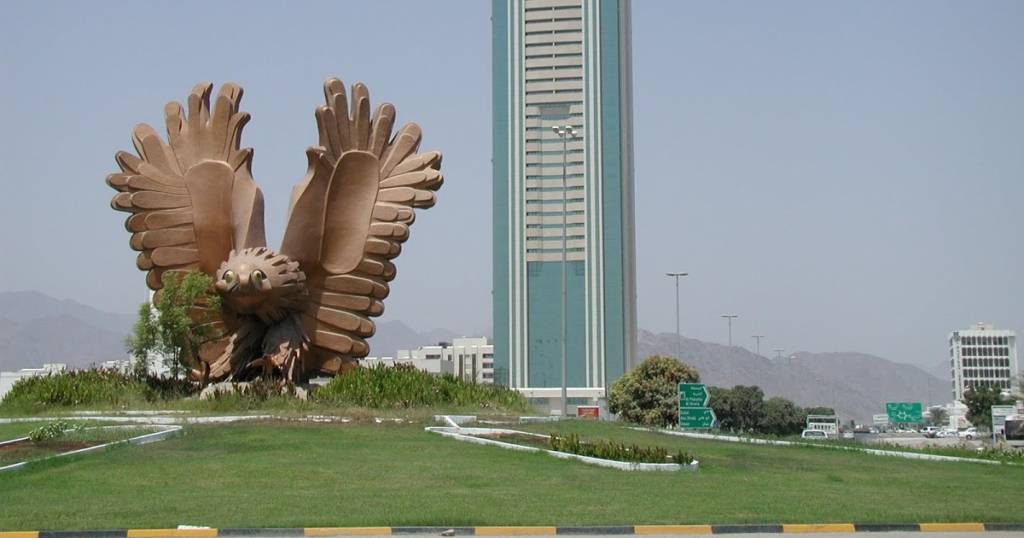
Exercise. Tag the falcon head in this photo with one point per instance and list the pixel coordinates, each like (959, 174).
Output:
(262, 282)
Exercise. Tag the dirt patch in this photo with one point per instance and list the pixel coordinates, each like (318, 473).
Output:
(518, 439)
(27, 450)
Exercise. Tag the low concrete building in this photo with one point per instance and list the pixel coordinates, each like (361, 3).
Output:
(469, 358)
(8, 379)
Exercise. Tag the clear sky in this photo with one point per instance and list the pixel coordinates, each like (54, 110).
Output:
(844, 176)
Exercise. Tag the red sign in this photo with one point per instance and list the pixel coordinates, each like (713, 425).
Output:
(589, 412)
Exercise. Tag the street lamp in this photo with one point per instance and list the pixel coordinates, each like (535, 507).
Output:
(758, 337)
(730, 317)
(676, 276)
(565, 132)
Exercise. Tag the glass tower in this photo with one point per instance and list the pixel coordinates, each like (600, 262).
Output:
(556, 63)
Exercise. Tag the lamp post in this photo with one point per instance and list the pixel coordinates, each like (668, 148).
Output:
(730, 317)
(565, 132)
(758, 337)
(676, 276)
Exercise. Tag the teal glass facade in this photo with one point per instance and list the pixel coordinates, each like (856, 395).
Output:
(562, 62)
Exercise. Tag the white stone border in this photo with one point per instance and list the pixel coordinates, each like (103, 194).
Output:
(137, 440)
(777, 442)
(469, 435)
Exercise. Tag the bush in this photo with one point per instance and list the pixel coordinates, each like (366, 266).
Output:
(649, 393)
(403, 386)
(52, 430)
(92, 388)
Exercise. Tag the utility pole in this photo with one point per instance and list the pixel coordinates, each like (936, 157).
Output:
(730, 317)
(679, 345)
(778, 354)
(758, 337)
(565, 132)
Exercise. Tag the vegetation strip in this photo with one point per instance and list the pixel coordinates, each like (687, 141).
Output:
(138, 440)
(479, 436)
(874, 451)
(789, 528)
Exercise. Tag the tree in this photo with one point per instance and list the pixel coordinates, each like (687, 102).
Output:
(979, 402)
(649, 393)
(937, 416)
(740, 408)
(172, 327)
(782, 417)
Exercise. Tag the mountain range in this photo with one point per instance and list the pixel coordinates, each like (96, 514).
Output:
(856, 385)
(36, 329)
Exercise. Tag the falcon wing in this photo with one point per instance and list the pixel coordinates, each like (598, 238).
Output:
(192, 198)
(349, 217)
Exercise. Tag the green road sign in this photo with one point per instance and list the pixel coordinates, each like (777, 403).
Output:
(693, 395)
(696, 417)
(904, 412)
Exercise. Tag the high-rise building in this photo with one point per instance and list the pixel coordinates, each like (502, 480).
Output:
(557, 63)
(982, 356)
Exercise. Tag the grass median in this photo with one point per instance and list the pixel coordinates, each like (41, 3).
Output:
(296, 475)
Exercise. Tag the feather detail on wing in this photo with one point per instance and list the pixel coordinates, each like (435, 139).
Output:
(192, 198)
(349, 217)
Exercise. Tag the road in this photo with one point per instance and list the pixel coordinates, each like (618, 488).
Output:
(912, 534)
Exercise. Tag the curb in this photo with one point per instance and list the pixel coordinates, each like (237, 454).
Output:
(795, 528)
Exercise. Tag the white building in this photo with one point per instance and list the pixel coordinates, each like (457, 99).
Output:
(8, 379)
(471, 359)
(982, 356)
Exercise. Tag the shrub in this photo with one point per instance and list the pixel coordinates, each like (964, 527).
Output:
(739, 409)
(52, 430)
(610, 450)
(78, 387)
(403, 386)
(93, 388)
(649, 393)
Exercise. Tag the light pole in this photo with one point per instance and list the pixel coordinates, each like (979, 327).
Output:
(679, 346)
(758, 337)
(730, 317)
(778, 354)
(565, 132)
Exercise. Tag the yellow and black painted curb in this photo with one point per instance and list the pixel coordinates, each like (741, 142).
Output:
(795, 528)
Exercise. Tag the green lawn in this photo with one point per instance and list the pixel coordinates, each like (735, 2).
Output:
(277, 475)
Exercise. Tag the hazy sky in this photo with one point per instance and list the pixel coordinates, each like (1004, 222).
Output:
(844, 176)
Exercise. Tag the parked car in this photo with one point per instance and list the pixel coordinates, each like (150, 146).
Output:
(969, 434)
(814, 434)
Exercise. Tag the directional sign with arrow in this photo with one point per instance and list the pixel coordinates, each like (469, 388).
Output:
(696, 417)
(693, 395)
(693, 406)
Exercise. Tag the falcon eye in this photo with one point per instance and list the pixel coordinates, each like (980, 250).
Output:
(229, 276)
(258, 277)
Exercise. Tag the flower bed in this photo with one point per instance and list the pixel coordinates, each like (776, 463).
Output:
(602, 453)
